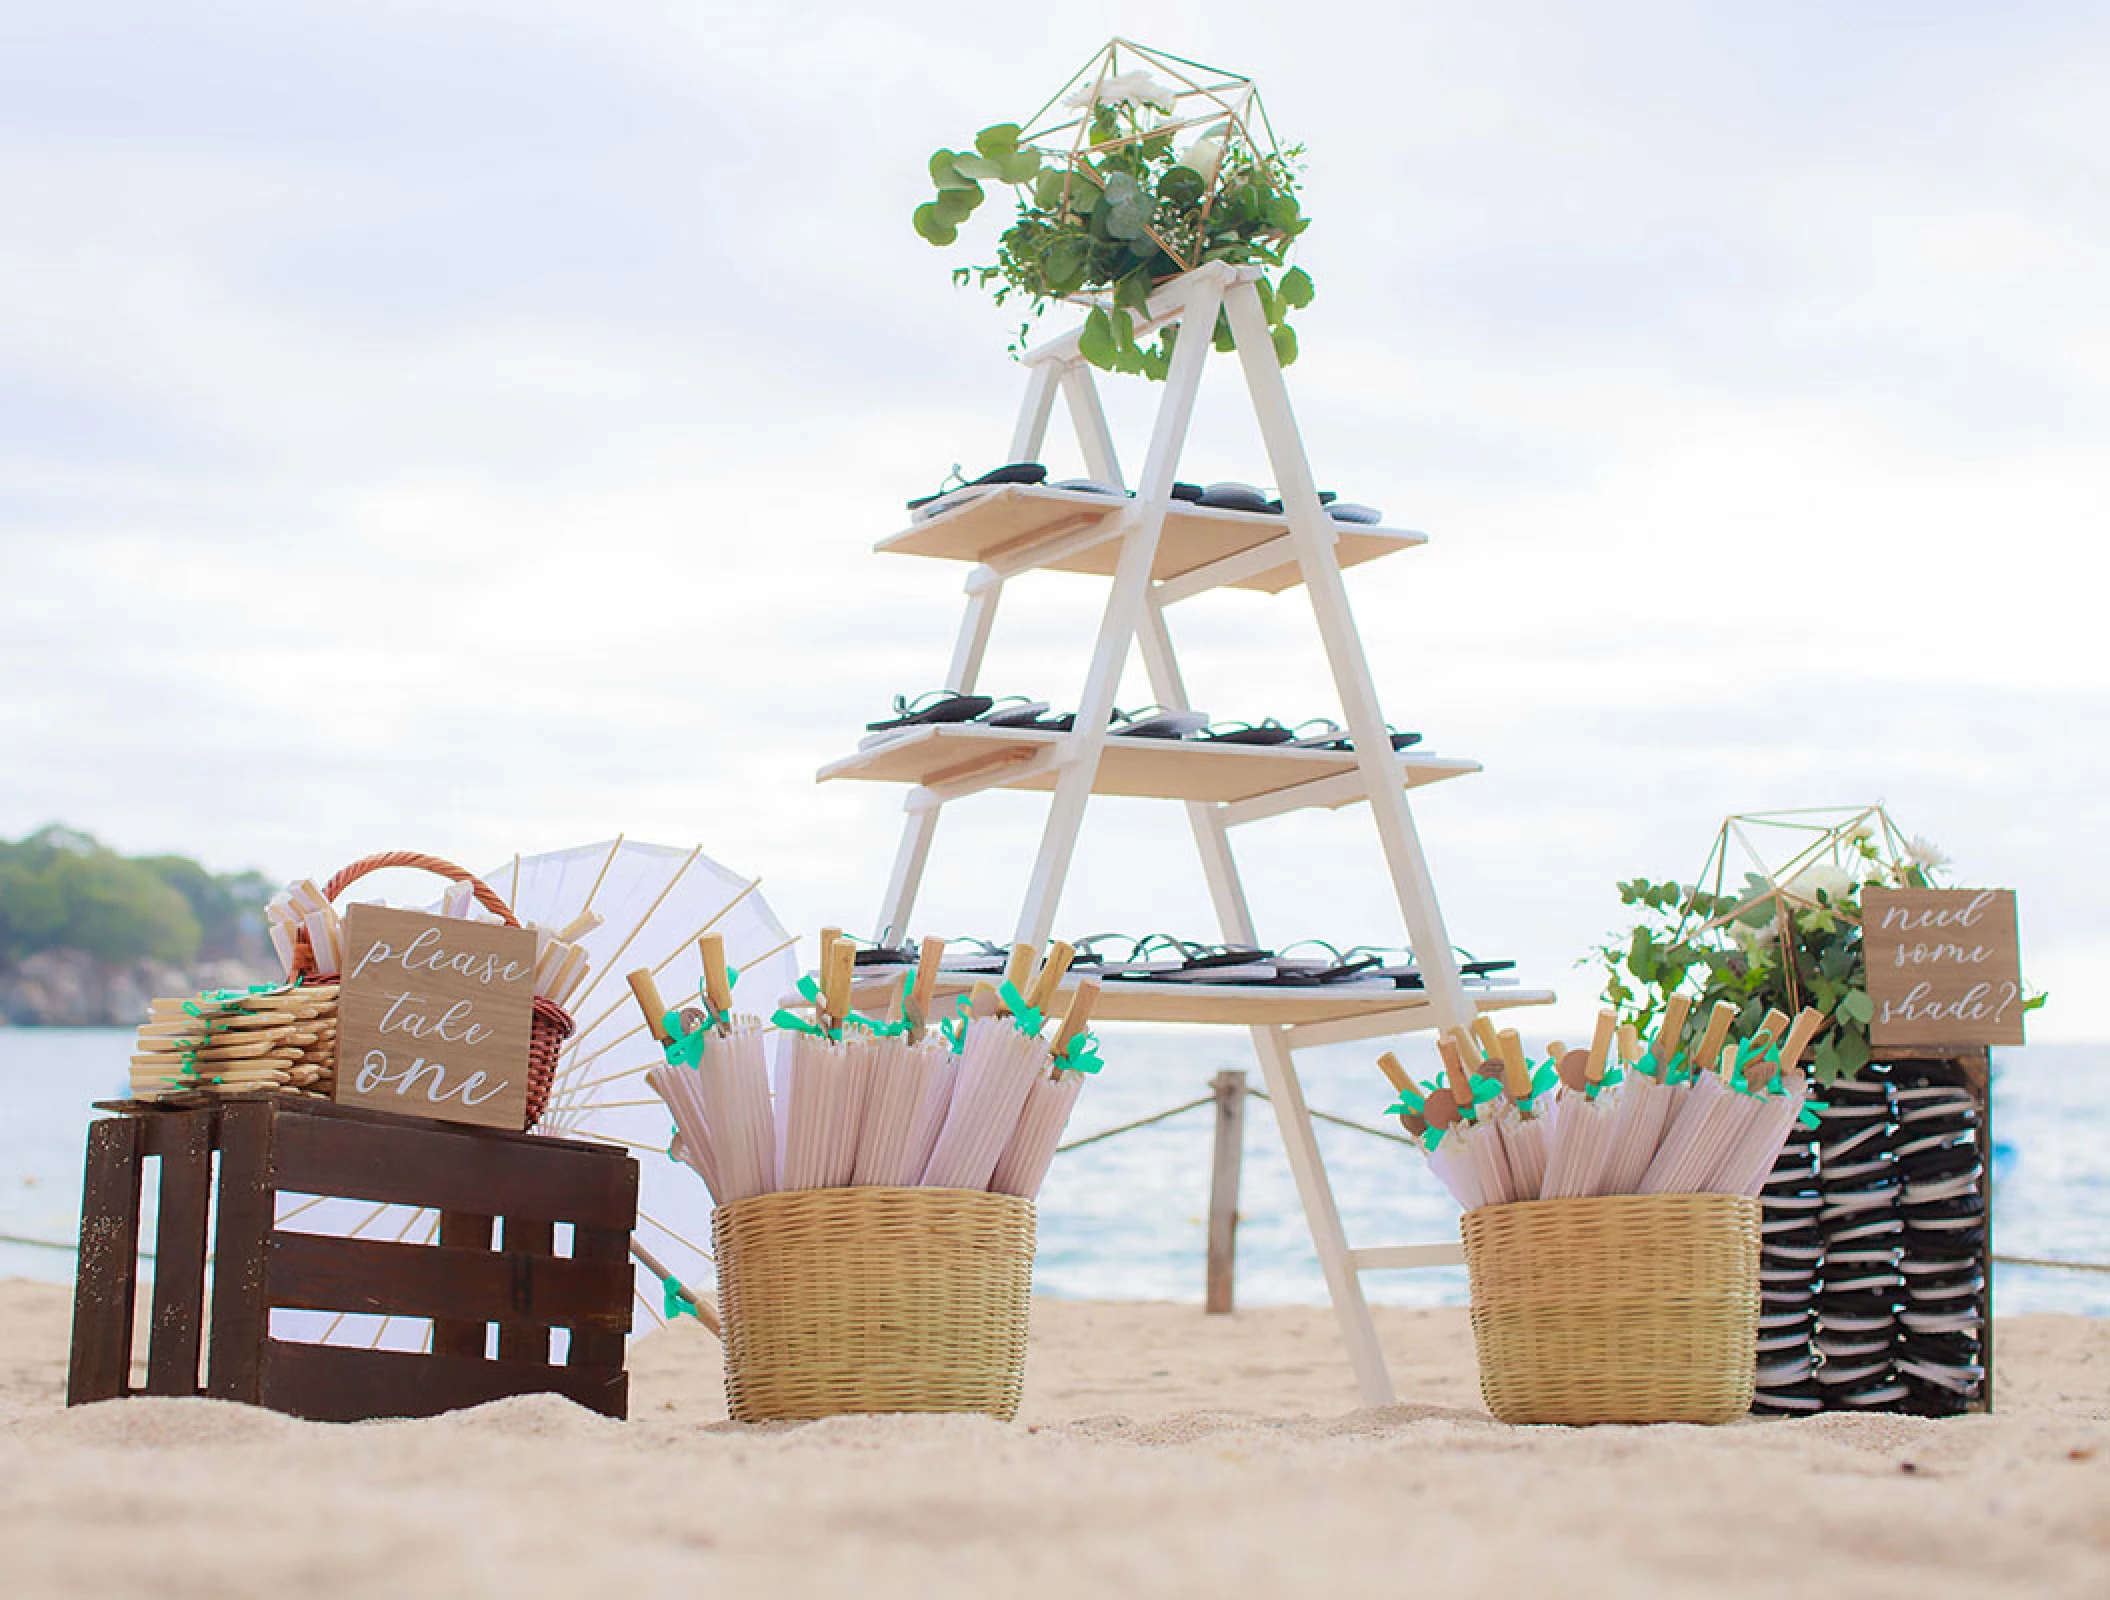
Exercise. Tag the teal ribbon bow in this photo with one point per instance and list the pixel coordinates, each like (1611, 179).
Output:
(791, 1022)
(1029, 1018)
(1808, 1116)
(676, 1302)
(887, 1030)
(1408, 1104)
(954, 1027)
(1081, 1054)
(1611, 1078)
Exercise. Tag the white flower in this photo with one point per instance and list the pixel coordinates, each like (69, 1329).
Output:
(1205, 155)
(1136, 88)
(1832, 880)
(1924, 853)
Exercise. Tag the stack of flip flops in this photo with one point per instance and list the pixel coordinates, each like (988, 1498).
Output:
(1939, 1345)
(1226, 496)
(1790, 1247)
(1162, 959)
(1019, 713)
(276, 1037)
(1857, 1303)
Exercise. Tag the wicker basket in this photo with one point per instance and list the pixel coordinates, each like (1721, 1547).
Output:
(552, 1024)
(874, 1299)
(1628, 1308)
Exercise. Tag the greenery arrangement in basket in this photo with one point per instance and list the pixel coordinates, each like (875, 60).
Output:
(1159, 176)
(1785, 938)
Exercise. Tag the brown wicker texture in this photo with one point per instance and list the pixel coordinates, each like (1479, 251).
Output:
(1627, 1308)
(874, 1299)
(552, 1025)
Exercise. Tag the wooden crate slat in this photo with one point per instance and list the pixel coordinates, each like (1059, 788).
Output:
(314, 1272)
(603, 1347)
(409, 1164)
(107, 1277)
(326, 1383)
(248, 1208)
(465, 1334)
(531, 1248)
(183, 1140)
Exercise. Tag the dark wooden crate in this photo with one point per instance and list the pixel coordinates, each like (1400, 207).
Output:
(500, 1197)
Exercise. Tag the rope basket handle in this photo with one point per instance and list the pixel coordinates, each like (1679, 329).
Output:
(486, 896)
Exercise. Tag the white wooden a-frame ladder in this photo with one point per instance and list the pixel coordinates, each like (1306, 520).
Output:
(1158, 553)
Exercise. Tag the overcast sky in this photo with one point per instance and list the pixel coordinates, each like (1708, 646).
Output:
(464, 426)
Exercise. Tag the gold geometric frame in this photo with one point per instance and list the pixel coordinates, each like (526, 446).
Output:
(1201, 96)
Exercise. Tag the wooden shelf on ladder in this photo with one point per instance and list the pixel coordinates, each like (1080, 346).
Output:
(1157, 551)
(966, 756)
(1017, 528)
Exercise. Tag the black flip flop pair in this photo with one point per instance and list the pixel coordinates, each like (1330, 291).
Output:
(1244, 497)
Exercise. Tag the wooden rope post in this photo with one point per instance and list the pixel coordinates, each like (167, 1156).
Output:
(1230, 1090)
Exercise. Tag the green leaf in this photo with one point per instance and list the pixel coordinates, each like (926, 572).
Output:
(1047, 190)
(1182, 186)
(1856, 1004)
(955, 206)
(977, 167)
(1096, 342)
(1286, 344)
(1224, 340)
(1021, 166)
(933, 226)
(1064, 264)
(945, 173)
(1133, 291)
(1124, 331)
(1296, 289)
(999, 139)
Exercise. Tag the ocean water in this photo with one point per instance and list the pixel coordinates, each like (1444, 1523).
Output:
(1126, 1219)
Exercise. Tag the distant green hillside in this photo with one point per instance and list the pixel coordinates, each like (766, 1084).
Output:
(62, 890)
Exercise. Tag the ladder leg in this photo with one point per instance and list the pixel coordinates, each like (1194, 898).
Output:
(1312, 536)
(1373, 1380)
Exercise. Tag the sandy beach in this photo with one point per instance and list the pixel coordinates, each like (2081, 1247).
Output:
(1159, 1451)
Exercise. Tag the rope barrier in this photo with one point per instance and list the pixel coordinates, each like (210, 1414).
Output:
(2047, 1261)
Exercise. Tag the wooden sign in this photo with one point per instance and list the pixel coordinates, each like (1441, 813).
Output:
(433, 1017)
(1944, 966)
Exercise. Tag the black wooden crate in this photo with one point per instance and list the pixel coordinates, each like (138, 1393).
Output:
(483, 1183)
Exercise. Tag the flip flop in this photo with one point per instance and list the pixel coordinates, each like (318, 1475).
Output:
(1339, 738)
(1265, 732)
(1014, 711)
(1326, 498)
(1187, 493)
(1090, 486)
(1025, 472)
(1233, 497)
(938, 705)
(1345, 511)
(1157, 722)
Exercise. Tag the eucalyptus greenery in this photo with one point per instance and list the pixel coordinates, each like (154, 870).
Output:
(1122, 213)
(1758, 948)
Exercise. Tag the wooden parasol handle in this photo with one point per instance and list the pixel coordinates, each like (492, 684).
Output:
(486, 896)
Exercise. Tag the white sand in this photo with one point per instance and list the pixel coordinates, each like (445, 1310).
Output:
(1160, 1452)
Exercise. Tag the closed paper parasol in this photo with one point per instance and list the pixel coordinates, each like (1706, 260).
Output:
(1000, 1061)
(625, 906)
